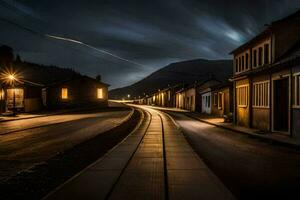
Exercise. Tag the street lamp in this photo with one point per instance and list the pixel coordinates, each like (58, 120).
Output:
(12, 79)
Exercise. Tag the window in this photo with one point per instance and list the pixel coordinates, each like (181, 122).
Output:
(242, 95)
(17, 95)
(260, 56)
(208, 103)
(296, 99)
(215, 99)
(243, 63)
(266, 53)
(100, 93)
(240, 64)
(236, 65)
(254, 58)
(169, 95)
(247, 61)
(64, 93)
(261, 94)
(1, 94)
(220, 100)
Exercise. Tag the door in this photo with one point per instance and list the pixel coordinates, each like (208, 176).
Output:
(281, 105)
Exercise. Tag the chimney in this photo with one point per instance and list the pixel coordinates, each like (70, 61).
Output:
(98, 78)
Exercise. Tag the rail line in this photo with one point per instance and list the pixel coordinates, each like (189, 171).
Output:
(152, 162)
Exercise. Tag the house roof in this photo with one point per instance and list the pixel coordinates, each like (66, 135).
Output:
(76, 77)
(267, 31)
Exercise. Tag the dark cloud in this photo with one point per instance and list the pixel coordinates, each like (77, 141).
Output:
(151, 33)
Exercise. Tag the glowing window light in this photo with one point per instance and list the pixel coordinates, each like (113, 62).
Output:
(1, 94)
(64, 93)
(100, 93)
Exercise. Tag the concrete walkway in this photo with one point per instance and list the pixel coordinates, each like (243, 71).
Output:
(271, 137)
(153, 162)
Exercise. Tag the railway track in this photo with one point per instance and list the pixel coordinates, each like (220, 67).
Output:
(153, 162)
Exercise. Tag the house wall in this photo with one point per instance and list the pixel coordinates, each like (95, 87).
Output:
(180, 100)
(242, 113)
(296, 111)
(206, 105)
(287, 35)
(190, 99)
(80, 92)
(225, 109)
(260, 115)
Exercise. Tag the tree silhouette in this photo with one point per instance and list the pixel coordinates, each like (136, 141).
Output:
(6, 56)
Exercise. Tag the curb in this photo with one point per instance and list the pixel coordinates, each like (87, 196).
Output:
(265, 138)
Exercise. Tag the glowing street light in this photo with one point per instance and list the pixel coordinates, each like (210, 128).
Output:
(12, 78)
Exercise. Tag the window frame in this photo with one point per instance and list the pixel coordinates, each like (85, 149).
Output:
(245, 93)
(296, 92)
(261, 89)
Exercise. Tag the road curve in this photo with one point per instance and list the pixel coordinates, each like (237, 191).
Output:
(153, 162)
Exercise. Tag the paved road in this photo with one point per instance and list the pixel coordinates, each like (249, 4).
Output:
(250, 168)
(32, 141)
(153, 162)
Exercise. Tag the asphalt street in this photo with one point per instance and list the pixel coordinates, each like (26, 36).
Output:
(250, 168)
(28, 142)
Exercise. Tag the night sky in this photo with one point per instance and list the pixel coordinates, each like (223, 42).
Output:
(126, 39)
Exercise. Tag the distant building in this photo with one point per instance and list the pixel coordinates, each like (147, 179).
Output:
(78, 91)
(204, 93)
(266, 79)
(222, 99)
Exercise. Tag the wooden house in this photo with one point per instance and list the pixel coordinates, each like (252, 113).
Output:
(78, 91)
(23, 96)
(266, 79)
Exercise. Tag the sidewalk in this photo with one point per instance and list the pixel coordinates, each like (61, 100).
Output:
(272, 137)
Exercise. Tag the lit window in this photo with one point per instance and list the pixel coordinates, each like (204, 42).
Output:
(296, 98)
(100, 93)
(242, 95)
(261, 92)
(64, 93)
(220, 100)
(1, 94)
